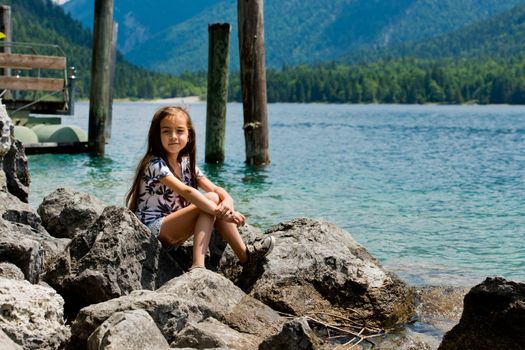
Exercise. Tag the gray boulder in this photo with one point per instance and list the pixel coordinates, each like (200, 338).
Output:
(296, 334)
(316, 267)
(13, 160)
(17, 171)
(15, 211)
(130, 330)
(221, 299)
(32, 315)
(186, 301)
(493, 318)
(22, 250)
(66, 213)
(211, 333)
(115, 256)
(23, 240)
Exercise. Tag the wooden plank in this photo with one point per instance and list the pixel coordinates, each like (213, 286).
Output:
(30, 83)
(21, 61)
(40, 107)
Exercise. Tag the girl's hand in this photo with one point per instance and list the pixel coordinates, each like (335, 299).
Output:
(240, 220)
(224, 208)
(235, 217)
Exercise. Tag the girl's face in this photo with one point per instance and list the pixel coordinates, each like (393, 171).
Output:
(174, 133)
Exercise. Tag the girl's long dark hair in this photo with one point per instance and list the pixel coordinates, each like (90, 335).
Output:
(155, 149)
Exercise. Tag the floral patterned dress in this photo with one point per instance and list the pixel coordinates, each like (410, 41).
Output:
(156, 200)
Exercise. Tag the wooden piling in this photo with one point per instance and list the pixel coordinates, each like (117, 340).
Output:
(109, 119)
(71, 90)
(6, 28)
(250, 21)
(217, 96)
(99, 96)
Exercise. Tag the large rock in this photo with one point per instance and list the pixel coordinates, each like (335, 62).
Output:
(316, 267)
(29, 251)
(218, 297)
(17, 171)
(21, 250)
(23, 240)
(493, 318)
(130, 330)
(32, 315)
(66, 213)
(185, 301)
(115, 256)
(211, 333)
(13, 160)
(12, 209)
(295, 335)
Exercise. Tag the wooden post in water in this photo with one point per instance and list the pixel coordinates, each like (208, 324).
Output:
(250, 21)
(6, 28)
(112, 80)
(99, 96)
(217, 97)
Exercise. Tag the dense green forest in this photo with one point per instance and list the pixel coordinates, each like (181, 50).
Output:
(37, 21)
(401, 80)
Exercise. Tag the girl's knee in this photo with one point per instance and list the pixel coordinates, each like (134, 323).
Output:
(214, 197)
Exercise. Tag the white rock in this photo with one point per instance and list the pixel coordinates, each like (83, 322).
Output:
(130, 330)
(32, 315)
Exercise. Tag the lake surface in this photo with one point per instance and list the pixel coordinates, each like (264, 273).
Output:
(436, 193)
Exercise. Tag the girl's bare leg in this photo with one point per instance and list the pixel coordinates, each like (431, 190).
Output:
(201, 238)
(177, 227)
(231, 235)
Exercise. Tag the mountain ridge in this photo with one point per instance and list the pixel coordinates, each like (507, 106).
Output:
(500, 36)
(296, 31)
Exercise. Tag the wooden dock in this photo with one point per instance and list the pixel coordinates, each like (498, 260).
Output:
(56, 147)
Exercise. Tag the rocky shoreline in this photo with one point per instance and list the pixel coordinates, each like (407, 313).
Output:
(79, 274)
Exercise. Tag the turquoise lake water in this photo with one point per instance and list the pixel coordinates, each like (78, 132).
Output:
(435, 193)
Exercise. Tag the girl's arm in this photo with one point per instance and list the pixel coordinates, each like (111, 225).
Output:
(190, 194)
(193, 196)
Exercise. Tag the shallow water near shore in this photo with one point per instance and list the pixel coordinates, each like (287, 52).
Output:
(435, 193)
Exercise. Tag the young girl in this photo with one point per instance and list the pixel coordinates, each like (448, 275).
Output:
(164, 194)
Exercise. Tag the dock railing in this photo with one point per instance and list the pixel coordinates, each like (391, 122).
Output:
(36, 79)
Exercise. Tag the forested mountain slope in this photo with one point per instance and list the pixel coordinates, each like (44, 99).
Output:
(172, 36)
(501, 36)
